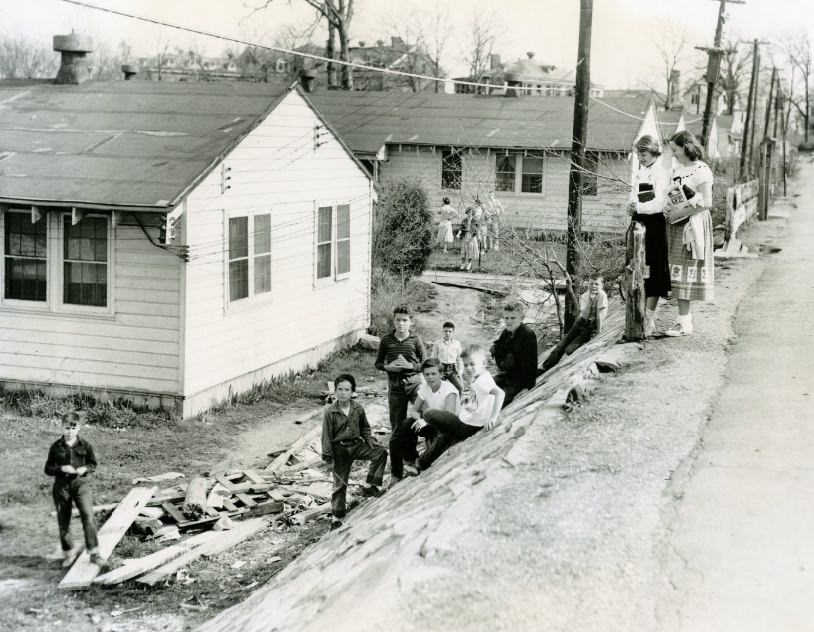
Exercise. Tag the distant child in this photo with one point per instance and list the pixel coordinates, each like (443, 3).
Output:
(448, 351)
(493, 228)
(447, 214)
(401, 354)
(480, 408)
(593, 307)
(346, 437)
(470, 248)
(515, 353)
(70, 461)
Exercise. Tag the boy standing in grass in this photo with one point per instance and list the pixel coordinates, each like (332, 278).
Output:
(515, 353)
(480, 408)
(401, 354)
(448, 351)
(70, 461)
(346, 437)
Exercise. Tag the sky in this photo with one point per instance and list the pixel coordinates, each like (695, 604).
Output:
(624, 40)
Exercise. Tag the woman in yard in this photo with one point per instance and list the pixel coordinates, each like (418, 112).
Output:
(690, 229)
(447, 213)
(647, 201)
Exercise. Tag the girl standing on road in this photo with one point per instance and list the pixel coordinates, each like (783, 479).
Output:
(447, 213)
(690, 232)
(646, 205)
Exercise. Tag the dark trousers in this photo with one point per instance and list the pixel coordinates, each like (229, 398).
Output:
(344, 456)
(447, 430)
(509, 387)
(580, 333)
(66, 493)
(451, 375)
(403, 441)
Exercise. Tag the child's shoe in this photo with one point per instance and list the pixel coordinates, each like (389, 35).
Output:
(371, 491)
(69, 557)
(394, 480)
(410, 470)
(469, 267)
(97, 559)
(683, 326)
(335, 524)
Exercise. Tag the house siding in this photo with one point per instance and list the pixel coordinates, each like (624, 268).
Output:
(276, 169)
(133, 350)
(547, 211)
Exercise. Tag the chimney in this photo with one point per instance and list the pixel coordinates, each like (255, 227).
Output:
(129, 71)
(361, 43)
(396, 42)
(74, 66)
(513, 84)
(307, 79)
(674, 89)
(530, 54)
(494, 61)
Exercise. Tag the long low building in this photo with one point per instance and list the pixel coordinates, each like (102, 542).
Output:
(463, 146)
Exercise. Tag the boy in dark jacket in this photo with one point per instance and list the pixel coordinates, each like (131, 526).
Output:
(346, 437)
(70, 461)
(515, 353)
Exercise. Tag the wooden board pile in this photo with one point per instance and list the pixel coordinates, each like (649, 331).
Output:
(209, 514)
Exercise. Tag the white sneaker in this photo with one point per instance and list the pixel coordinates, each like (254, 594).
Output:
(70, 557)
(683, 327)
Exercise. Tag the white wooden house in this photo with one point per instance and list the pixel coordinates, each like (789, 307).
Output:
(268, 271)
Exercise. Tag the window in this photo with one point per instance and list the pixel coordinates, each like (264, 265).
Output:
(26, 257)
(324, 241)
(504, 173)
(249, 256)
(85, 261)
(281, 66)
(451, 169)
(589, 178)
(532, 181)
(342, 239)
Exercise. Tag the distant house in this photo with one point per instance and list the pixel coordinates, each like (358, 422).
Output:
(526, 76)
(188, 66)
(262, 64)
(398, 55)
(463, 146)
(175, 244)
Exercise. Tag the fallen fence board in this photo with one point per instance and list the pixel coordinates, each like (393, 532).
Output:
(141, 565)
(299, 444)
(222, 541)
(82, 573)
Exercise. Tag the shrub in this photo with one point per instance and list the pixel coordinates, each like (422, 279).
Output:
(389, 291)
(402, 231)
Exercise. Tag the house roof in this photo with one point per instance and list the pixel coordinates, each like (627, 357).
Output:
(122, 143)
(368, 120)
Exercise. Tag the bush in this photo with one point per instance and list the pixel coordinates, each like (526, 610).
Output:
(402, 231)
(389, 291)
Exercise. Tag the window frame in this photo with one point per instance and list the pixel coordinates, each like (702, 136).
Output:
(518, 173)
(59, 288)
(459, 154)
(253, 298)
(334, 275)
(22, 303)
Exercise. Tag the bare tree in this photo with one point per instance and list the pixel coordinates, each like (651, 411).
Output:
(672, 47)
(106, 62)
(735, 65)
(425, 37)
(798, 53)
(21, 58)
(338, 14)
(484, 31)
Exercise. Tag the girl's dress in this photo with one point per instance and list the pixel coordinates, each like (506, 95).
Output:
(691, 261)
(445, 224)
(656, 180)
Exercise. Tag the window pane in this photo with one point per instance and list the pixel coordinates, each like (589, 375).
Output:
(532, 181)
(262, 234)
(25, 279)
(323, 261)
(451, 169)
(87, 240)
(238, 279)
(504, 173)
(26, 257)
(343, 257)
(324, 224)
(85, 283)
(238, 237)
(343, 221)
(262, 274)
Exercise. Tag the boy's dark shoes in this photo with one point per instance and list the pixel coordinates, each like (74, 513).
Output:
(371, 491)
(97, 559)
(335, 524)
(394, 480)
(70, 557)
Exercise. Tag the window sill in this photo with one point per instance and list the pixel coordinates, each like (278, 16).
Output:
(330, 281)
(249, 303)
(62, 312)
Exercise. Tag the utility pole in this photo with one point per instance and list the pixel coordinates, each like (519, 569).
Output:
(749, 113)
(769, 103)
(714, 67)
(582, 91)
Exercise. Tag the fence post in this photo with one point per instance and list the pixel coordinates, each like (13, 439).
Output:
(636, 272)
(764, 178)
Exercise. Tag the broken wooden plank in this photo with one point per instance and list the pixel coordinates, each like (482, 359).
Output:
(314, 462)
(82, 573)
(217, 495)
(268, 507)
(309, 514)
(195, 499)
(255, 476)
(299, 444)
(174, 512)
(304, 492)
(139, 566)
(220, 542)
(223, 480)
(229, 505)
(203, 522)
(246, 500)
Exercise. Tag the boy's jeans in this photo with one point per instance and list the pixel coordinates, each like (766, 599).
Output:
(403, 441)
(66, 493)
(580, 333)
(448, 430)
(344, 456)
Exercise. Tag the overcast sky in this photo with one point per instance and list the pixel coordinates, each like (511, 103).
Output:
(625, 32)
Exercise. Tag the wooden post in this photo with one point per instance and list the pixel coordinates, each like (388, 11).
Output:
(764, 178)
(195, 501)
(635, 273)
(582, 93)
(744, 169)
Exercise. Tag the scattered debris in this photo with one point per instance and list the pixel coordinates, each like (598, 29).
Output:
(158, 478)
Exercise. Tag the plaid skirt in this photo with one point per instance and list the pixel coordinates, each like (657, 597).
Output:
(691, 279)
